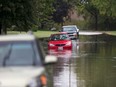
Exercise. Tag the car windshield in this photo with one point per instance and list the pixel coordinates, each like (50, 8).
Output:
(18, 54)
(68, 29)
(59, 37)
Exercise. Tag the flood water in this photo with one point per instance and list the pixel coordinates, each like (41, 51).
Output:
(91, 63)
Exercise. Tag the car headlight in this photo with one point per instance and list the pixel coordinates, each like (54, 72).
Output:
(40, 81)
(51, 45)
(68, 43)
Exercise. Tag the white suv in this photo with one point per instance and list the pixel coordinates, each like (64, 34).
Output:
(72, 30)
(22, 62)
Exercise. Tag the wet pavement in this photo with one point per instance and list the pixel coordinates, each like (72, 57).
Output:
(91, 63)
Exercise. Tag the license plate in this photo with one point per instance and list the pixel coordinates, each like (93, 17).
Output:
(60, 48)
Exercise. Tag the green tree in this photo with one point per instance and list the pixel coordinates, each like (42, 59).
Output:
(62, 8)
(107, 10)
(16, 12)
(89, 11)
(45, 9)
(24, 13)
(99, 13)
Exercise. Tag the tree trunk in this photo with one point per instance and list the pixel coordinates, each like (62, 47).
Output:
(62, 24)
(107, 24)
(96, 21)
(0, 29)
(4, 29)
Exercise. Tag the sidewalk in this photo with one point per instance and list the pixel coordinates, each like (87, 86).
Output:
(90, 33)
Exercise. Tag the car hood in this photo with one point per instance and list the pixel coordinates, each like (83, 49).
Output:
(59, 42)
(18, 76)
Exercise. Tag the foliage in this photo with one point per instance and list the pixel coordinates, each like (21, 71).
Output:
(107, 12)
(24, 13)
(16, 12)
(61, 10)
(99, 13)
(45, 9)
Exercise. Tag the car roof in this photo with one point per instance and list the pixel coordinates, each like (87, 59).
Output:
(69, 26)
(18, 37)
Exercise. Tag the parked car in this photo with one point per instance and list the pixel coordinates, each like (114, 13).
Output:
(22, 62)
(72, 31)
(60, 41)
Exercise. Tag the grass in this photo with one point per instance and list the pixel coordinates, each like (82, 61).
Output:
(110, 33)
(44, 33)
(15, 32)
(38, 34)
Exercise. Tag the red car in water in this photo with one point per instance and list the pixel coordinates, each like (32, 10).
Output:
(60, 41)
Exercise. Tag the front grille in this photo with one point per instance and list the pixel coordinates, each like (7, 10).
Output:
(71, 35)
(60, 44)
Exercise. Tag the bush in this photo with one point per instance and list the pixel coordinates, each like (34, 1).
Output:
(34, 28)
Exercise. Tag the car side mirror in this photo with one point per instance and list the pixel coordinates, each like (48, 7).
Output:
(50, 59)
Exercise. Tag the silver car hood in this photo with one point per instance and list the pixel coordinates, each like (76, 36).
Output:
(18, 76)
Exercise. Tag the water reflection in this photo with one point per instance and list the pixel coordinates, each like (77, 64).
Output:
(91, 63)
(64, 74)
(61, 53)
(97, 67)
(64, 70)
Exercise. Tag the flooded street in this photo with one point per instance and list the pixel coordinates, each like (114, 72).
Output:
(91, 63)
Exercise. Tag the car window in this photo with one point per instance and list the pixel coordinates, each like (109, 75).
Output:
(59, 37)
(68, 29)
(18, 54)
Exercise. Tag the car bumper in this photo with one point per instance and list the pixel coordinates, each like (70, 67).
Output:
(61, 47)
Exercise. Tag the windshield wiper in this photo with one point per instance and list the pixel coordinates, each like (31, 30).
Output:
(7, 55)
(34, 55)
